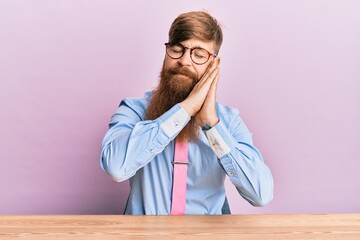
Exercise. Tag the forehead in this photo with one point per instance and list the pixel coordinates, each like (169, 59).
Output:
(194, 43)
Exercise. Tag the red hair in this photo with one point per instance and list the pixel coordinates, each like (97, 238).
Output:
(196, 25)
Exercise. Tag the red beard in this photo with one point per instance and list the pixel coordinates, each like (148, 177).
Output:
(174, 87)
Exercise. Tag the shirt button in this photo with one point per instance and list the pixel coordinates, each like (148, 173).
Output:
(151, 150)
(231, 173)
(176, 124)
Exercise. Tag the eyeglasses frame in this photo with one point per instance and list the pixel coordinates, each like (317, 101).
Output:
(191, 50)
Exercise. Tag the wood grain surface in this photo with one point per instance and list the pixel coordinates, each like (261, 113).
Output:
(302, 226)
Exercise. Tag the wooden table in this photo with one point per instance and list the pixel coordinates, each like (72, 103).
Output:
(104, 227)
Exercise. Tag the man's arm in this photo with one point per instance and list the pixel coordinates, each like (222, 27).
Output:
(242, 161)
(131, 143)
(201, 100)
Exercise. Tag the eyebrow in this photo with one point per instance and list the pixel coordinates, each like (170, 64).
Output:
(196, 46)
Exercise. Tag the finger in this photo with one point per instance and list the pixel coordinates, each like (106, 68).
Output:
(203, 91)
(205, 85)
(214, 84)
(212, 66)
(208, 76)
(214, 63)
(207, 80)
(213, 88)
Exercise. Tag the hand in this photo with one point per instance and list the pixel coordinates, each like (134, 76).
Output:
(207, 114)
(194, 102)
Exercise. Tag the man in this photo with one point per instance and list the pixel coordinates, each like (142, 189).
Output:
(182, 119)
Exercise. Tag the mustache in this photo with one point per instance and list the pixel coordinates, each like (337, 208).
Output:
(184, 71)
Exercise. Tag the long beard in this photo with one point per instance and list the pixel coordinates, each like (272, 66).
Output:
(175, 86)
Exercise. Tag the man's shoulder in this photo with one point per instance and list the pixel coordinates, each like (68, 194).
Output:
(138, 104)
(227, 110)
(230, 116)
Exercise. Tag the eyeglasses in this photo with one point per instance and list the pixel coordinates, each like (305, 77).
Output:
(198, 55)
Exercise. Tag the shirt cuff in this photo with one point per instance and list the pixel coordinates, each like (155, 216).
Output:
(220, 139)
(174, 120)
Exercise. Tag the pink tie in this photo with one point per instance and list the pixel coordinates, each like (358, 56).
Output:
(179, 180)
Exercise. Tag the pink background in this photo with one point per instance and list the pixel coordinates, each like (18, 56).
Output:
(291, 67)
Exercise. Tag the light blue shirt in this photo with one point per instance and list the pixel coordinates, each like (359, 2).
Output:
(143, 150)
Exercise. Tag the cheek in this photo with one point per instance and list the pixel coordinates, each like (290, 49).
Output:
(168, 62)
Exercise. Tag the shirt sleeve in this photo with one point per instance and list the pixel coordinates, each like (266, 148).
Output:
(131, 142)
(242, 161)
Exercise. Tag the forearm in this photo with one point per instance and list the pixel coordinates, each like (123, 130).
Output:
(249, 174)
(243, 164)
(127, 146)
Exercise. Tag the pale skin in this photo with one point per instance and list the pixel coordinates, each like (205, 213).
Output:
(201, 101)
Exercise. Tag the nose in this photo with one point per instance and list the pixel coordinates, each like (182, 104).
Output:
(185, 60)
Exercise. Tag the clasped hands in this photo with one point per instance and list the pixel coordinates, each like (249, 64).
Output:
(201, 102)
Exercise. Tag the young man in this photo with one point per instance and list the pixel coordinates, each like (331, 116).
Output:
(177, 144)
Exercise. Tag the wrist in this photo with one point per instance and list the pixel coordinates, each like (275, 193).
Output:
(187, 108)
(206, 125)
